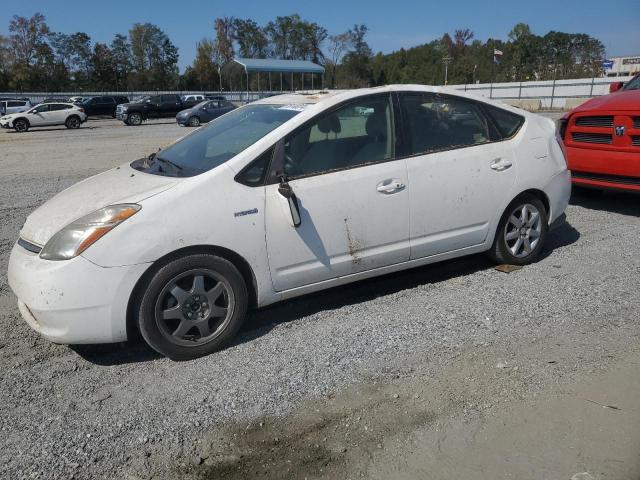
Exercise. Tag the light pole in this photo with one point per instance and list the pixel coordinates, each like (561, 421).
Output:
(446, 60)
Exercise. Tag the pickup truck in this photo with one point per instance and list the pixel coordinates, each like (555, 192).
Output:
(156, 106)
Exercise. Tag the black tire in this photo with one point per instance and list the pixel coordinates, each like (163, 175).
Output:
(134, 119)
(510, 242)
(21, 125)
(73, 122)
(194, 121)
(168, 301)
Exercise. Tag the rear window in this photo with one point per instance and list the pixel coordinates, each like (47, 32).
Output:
(508, 123)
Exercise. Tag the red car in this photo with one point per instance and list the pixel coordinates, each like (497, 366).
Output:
(602, 139)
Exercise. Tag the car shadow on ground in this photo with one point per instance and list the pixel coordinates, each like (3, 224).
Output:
(615, 202)
(261, 322)
(49, 129)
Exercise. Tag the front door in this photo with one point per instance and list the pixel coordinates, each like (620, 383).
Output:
(460, 175)
(42, 116)
(352, 197)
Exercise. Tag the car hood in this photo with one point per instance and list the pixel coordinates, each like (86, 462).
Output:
(122, 184)
(185, 112)
(132, 104)
(618, 101)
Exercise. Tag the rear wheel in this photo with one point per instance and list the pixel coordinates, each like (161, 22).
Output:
(194, 121)
(21, 125)
(193, 306)
(72, 122)
(521, 232)
(134, 119)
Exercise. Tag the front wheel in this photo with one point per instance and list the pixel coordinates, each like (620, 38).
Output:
(521, 232)
(194, 121)
(193, 306)
(134, 119)
(21, 125)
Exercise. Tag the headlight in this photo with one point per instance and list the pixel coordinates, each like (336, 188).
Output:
(79, 235)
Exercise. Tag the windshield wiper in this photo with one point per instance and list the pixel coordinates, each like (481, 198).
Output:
(165, 162)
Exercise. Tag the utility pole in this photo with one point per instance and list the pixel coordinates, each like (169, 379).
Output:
(446, 60)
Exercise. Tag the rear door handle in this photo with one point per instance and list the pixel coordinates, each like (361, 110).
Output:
(500, 164)
(389, 186)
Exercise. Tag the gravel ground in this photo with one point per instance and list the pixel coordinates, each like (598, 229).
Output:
(120, 411)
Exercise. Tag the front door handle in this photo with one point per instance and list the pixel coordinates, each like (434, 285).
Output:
(389, 186)
(500, 164)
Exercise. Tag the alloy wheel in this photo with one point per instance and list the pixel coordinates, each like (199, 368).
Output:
(194, 121)
(523, 230)
(135, 119)
(194, 307)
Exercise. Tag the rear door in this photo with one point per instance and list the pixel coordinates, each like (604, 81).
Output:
(460, 177)
(107, 106)
(169, 105)
(58, 113)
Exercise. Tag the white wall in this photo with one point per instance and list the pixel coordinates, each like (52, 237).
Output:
(544, 90)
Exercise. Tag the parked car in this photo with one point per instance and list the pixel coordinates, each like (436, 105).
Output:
(103, 105)
(14, 106)
(45, 115)
(282, 197)
(76, 99)
(156, 106)
(192, 98)
(204, 112)
(602, 139)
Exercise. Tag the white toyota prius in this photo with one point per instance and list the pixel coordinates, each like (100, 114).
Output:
(285, 196)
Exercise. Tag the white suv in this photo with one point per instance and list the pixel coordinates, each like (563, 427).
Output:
(285, 196)
(8, 107)
(45, 115)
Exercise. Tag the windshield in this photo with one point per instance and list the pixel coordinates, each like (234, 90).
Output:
(634, 83)
(218, 142)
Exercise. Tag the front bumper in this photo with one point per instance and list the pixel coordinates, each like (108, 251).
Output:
(121, 116)
(72, 301)
(604, 169)
(5, 124)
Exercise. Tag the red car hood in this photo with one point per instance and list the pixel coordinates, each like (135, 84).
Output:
(619, 101)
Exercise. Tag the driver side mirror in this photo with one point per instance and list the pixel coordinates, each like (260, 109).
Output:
(289, 202)
(615, 86)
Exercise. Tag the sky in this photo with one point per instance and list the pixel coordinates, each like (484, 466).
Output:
(392, 24)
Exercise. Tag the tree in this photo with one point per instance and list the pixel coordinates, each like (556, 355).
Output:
(103, 68)
(225, 34)
(204, 72)
(154, 58)
(356, 63)
(338, 45)
(121, 57)
(251, 39)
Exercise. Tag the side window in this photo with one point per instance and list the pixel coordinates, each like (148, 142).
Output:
(15, 104)
(56, 106)
(155, 99)
(356, 134)
(169, 98)
(42, 108)
(253, 174)
(508, 123)
(435, 122)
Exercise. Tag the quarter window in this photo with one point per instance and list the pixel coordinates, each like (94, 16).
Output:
(356, 134)
(508, 123)
(434, 122)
